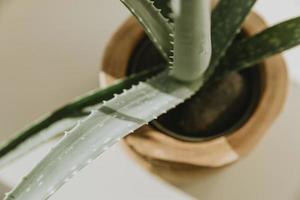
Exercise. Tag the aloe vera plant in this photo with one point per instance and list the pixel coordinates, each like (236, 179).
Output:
(196, 45)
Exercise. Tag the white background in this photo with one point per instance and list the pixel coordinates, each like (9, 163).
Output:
(50, 52)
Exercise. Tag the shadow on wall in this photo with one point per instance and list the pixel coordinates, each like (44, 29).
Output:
(271, 171)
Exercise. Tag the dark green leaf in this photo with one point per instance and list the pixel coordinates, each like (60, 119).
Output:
(227, 19)
(271, 41)
(164, 5)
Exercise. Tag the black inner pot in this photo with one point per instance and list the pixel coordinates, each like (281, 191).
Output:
(146, 56)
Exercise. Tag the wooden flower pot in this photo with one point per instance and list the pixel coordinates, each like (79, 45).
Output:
(157, 147)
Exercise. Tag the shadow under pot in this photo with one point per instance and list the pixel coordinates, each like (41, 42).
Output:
(219, 124)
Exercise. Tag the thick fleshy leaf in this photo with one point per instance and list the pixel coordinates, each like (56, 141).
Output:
(192, 47)
(54, 130)
(227, 19)
(103, 128)
(164, 5)
(156, 26)
(225, 26)
(271, 41)
(63, 118)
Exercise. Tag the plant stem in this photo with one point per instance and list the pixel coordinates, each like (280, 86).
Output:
(192, 48)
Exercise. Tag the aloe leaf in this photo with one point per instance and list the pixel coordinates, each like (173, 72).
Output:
(156, 26)
(52, 124)
(225, 26)
(271, 41)
(164, 5)
(103, 128)
(227, 19)
(192, 48)
(45, 135)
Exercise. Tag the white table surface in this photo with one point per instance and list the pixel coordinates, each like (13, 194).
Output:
(50, 53)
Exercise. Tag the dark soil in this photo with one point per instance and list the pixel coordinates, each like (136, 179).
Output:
(218, 108)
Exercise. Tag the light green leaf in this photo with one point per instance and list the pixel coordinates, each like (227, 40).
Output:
(103, 128)
(156, 26)
(54, 130)
(52, 124)
(192, 48)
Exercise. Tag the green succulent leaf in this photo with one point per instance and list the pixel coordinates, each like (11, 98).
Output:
(52, 131)
(64, 118)
(225, 26)
(102, 128)
(164, 5)
(156, 26)
(126, 110)
(271, 41)
(192, 48)
(227, 20)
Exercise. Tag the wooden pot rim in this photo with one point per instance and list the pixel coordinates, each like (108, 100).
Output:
(216, 152)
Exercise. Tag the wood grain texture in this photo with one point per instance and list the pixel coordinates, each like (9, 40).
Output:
(159, 149)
